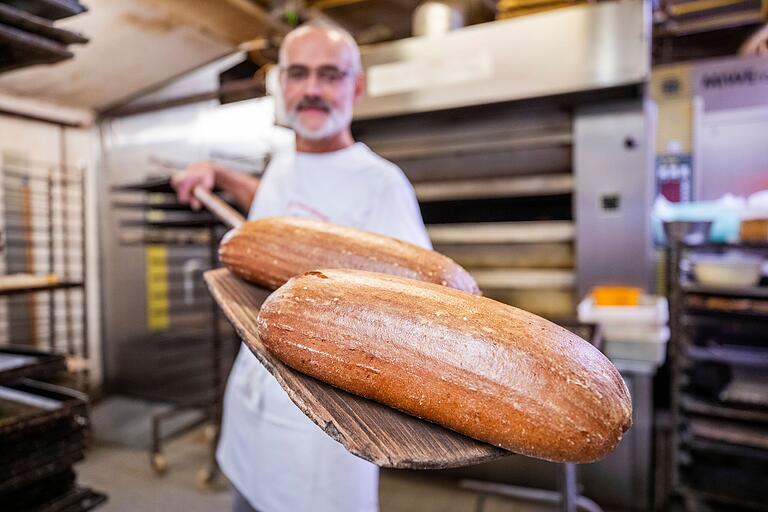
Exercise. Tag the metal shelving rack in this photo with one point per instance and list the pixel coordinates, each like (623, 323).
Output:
(42, 222)
(720, 440)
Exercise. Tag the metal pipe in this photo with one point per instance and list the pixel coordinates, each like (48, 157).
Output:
(527, 494)
(51, 262)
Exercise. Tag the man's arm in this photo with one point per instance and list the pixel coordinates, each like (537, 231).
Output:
(240, 186)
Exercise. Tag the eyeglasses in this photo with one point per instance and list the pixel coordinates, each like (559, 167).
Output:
(326, 75)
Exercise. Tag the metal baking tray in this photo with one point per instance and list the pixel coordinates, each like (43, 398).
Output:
(21, 362)
(42, 432)
(20, 49)
(37, 25)
(726, 307)
(40, 492)
(56, 493)
(154, 184)
(31, 451)
(78, 499)
(737, 476)
(35, 468)
(752, 436)
(30, 439)
(198, 221)
(706, 330)
(159, 185)
(49, 9)
(33, 409)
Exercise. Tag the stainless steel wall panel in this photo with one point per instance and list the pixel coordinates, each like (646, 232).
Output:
(731, 152)
(614, 191)
(581, 48)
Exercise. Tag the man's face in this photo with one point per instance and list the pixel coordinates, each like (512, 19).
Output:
(319, 84)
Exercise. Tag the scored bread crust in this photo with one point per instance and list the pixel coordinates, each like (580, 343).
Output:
(270, 251)
(482, 368)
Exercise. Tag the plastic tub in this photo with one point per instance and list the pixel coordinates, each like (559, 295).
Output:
(688, 232)
(635, 333)
(728, 270)
(724, 213)
(652, 310)
(650, 352)
(754, 230)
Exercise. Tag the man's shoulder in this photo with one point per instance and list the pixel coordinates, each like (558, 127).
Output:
(280, 161)
(385, 170)
(280, 167)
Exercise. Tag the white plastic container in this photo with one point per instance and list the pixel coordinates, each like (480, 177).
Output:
(651, 351)
(634, 333)
(730, 270)
(640, 333)
(652, 310)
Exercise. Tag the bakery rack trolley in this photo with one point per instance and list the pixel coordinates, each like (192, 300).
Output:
(167, 223)
(719, 393)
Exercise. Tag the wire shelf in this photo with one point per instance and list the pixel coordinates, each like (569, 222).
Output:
(42, 232)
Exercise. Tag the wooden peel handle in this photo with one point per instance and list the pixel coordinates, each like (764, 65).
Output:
(219, 208)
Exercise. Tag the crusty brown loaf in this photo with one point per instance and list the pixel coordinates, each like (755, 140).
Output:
(487, 370)
(270, 251)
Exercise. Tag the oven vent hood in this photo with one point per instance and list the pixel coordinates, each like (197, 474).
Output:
(570, 50)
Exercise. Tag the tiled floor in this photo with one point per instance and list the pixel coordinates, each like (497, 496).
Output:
(407, 492)
(126, 476)
(118, 464)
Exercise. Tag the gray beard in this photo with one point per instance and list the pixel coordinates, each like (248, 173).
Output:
(333, 125)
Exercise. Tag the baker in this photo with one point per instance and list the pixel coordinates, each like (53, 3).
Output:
(275, 457)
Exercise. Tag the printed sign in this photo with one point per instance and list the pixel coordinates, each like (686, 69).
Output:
(731, 83)
(158, 318)
(674, 177)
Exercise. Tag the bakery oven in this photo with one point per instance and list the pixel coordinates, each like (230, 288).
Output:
(529, 143)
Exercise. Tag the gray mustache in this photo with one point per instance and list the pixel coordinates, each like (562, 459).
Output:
(313, 102)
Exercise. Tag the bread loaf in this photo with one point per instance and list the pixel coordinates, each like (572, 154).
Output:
(484, 369)
(270, 251)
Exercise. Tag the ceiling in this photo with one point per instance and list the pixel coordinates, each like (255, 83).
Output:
(139, 45)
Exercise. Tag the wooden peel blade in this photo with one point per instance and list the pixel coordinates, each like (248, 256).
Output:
(372, 431)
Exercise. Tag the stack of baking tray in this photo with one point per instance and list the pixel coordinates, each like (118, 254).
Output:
(719, 360)
(27, 34)
(42, 434)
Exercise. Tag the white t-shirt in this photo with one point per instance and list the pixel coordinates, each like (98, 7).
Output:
(273, 454)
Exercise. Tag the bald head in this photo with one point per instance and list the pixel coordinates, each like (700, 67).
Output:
(320, 80)
(327, 33)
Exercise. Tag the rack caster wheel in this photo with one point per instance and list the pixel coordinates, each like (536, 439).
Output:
(159, 464)
(205, 479)
(209, 432)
